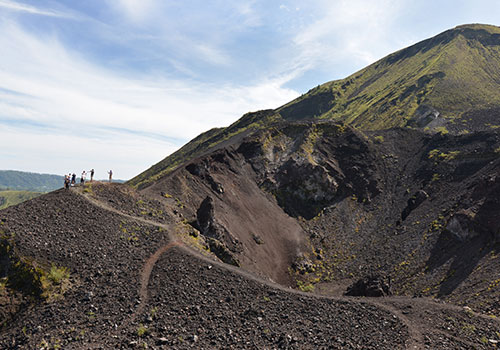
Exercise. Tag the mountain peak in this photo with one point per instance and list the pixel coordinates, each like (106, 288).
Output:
(484, 33)
(478, 26)
(454, 73)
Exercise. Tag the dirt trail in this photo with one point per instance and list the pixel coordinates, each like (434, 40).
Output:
(150, 262)
(113, 210)
(146, 274)
(416, 340)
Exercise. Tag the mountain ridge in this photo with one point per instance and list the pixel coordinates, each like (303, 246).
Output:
(9, 198)
(29, 181)
(439, 85)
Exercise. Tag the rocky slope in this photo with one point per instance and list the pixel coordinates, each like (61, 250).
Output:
(319, 205)
(131, 283)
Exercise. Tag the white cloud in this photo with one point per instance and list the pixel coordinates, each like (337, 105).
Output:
(212, 55)
(108, 115)
(16, 6)
(246, 10)
(354, 30)
(136, 10)
(55, 152)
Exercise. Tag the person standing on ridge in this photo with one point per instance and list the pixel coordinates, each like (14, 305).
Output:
(73, 179)
(110, 175)
(82, 179)
(66, 182)
(91, 175)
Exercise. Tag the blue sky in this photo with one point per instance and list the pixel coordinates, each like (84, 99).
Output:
(120, 84)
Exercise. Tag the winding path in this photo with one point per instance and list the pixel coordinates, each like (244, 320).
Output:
(146, 274)
(416, 329)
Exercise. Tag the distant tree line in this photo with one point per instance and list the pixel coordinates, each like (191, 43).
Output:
(25, 181)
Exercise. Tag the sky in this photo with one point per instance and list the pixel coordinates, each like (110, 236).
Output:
(121, 84)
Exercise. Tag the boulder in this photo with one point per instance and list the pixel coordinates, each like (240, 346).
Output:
(370, 286)
(222, 252)
(413, 203)
(461, 225)
(423, 116)
(205, 216)
(221, 242)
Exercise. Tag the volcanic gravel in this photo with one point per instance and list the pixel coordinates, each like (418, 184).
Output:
(189, 301)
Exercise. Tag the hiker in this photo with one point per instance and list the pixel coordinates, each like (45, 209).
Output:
(66, 182)
(82, 179)
(110, 175)
(73, 179)
(91, 175)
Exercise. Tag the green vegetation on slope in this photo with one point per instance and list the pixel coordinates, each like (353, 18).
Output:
(20, 180)
(454, 72)
(9, 198)
(29, 277)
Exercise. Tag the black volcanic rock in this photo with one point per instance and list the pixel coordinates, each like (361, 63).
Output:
(413, 203)
(221, 241)
(370, 286)
(206, 219)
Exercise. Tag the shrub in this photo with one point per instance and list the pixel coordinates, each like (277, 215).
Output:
(378, 139)
(305, 287)
(58, 274)
(434, 153)
(442, 130)
(141, 330)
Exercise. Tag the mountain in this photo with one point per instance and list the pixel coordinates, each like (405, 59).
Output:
(448, 83)
(364, 214)
(20, 180)
(436, 82)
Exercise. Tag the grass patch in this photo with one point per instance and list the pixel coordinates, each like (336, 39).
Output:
(436, 155)
(468, 328)
(305, 287)
(441, 130)
(31, 278)
(55, 282)
(142, 330)
(87, 188)
(58, 274)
